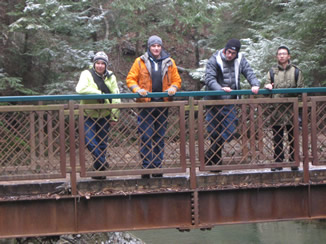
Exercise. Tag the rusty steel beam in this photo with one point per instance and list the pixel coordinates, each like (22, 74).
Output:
(261, 205)
(45, 217)
(182, 210)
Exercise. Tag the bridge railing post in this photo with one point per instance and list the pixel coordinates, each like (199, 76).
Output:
(192, 148)
(305, 139)
(72, 151)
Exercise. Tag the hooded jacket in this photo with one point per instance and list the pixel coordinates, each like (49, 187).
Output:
(140, 77)
(222, 73)
(86, 85)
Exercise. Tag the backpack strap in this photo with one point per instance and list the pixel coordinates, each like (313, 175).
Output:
(100, 83)
(296, 74)
(271, 74)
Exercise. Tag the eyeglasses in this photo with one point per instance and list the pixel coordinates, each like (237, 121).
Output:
(282, 54)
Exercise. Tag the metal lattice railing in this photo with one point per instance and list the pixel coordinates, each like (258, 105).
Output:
(129, 141)
(249, 134)
(48, 141)
(318, 134)
(32, 141)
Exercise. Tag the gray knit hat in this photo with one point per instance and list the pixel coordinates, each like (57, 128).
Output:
(154, 40)
(101, 56)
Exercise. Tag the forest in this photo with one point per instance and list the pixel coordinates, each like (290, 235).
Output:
(45, 44)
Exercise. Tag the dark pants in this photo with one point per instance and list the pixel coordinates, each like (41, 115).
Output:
(96, 136)
(222, 122)
(152, 123)
(278, 134)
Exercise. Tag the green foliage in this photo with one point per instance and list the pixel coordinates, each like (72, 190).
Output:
(60, 39)
(300, 25)
(263, 26)
(13, 85)
(46, 43)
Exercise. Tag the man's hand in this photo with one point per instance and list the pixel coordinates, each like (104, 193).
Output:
(142, 92)
(226, 89)
(171, 91)
(269, 86)
(255, 89)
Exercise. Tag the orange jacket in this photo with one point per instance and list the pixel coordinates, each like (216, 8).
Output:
(139, 76)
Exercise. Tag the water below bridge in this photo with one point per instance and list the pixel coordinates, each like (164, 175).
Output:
(289, 232)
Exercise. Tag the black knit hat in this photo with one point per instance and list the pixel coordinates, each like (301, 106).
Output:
(283, 47)
(233, 44)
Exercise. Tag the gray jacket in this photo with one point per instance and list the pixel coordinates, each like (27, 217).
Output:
(222, 73)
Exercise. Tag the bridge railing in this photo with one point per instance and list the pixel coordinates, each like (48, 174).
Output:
(257, 122)
(48, 139)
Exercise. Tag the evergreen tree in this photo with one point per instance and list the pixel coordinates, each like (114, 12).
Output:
(55, 39)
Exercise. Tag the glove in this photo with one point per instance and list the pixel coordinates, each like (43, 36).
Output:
(142, 92)
(100, 101)
(171, 91)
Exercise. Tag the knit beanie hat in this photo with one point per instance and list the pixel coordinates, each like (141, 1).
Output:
(101, 56)
(283, 47)
(154, 40)
(233, 44)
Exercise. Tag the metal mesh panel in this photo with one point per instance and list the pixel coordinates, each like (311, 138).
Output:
(150, 134)
(319, 130)
(31, 143)
(249, 135)
(67, 137)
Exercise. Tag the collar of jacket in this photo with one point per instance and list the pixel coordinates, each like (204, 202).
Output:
(288, 66)
(166, 62)
(220, 58)
(107, 73)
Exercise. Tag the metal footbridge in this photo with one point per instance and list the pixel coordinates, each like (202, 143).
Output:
(46, 168)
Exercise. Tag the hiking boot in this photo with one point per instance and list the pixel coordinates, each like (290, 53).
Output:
(146, 176)
(215, 160)
(277, 168)
(98, 177)
(157, 175)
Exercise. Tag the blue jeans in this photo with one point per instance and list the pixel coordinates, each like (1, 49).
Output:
(96, 136)
(221, 128)
(152, 123)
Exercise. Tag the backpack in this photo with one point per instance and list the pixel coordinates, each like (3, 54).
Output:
(296, 74)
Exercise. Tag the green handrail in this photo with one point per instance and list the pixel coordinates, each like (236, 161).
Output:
(158, 94)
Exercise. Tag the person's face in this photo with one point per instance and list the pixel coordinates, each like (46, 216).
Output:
(283, 56)
(100, 67)
(156, 49)
(230, 54)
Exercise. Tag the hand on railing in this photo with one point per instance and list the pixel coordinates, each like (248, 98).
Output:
(255, 89)
(142, 92)
(171, 91)
(226, 89)
(269, 86)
